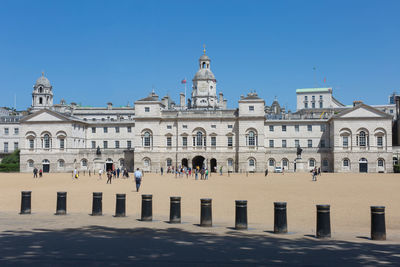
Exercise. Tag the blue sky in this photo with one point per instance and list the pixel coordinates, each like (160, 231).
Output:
(94, 52)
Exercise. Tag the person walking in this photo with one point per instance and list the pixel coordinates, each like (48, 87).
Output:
(109, 176)
(118, 171)
(35, 171)
(220, 170)
(314, 174)
(319, 170)
(40, 173)
(206, 174)
(100, 173)
(138, 179)
(161, 170)
(196, 174)
(75, 174)
(266, 172)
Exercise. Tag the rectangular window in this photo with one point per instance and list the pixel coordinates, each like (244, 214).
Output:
(129, 144)
(305, 98)
(283, 128)
(93, 129)
(6, 130)
(309, 128)
(15, 145)
(345, 141)
(379, 141)
(271, 143)
(62, 142)
(116, 144)
(230, 141)
(184, 126)
(296, 143)
(169, 127)
(129, 129)
(309, 143)
(323, 127)
(283, 143)
(105, 129)
(230, 126)
(5, 147)
(306, 105)
(213, 126)
(117, 129)
(184, 141)
(105, 144)
(93, 144)
(31, 143)
(320, 97)
(322, 143)
(271, 128)
(251, 108)
(296, 128)
(169, 141)
(16, 131)
(320, 104)
(146, 109)
(313, 98)
(213, 141)
(313, 105)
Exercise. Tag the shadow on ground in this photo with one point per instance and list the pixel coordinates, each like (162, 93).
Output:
(97, 245)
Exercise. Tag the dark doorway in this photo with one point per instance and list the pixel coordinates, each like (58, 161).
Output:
(213, 165)
(46, 167)
(185, 163)
(363, 165)
(198, 161)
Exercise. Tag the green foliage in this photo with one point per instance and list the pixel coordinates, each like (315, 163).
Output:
(10, 163)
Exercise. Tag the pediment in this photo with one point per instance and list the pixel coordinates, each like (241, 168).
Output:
(363, 111)
(45, 116)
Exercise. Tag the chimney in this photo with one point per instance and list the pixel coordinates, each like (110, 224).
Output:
(109, 105)
(182, 100)
(73, 105)
(357, 102)
(164, 101)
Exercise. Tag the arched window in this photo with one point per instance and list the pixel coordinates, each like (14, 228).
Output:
(362, 139)
(199, 139)
(46, 141)
(40, 100)
(169, 162)
(271, 162)
(61, 163)
(84, 163)
(204, 65)
(381, 162)
(311, 163)
(251, 139)
(346, 162)
(147, 139)
(30, 163)
(146, 162)
(285, 163)
(230, 162)
(252, 162)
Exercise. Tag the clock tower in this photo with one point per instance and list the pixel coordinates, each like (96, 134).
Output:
(204, 93)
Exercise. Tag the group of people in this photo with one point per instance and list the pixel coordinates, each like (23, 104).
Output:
(188, 171)
(114, 173)
(316, 171)
(36, 171)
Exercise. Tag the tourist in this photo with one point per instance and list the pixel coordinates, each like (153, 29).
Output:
(314, 174)
(109, 176)
(220, 170)
(100, 173)
(266, 172)
(89, 172)
(196, 174)
(283, 170)
(138, 178)
(118, 171)
(40, 173)
(319, 170)
(35, 171)
(161, 170)
(202, 174)
(75, 173)
(206, 174)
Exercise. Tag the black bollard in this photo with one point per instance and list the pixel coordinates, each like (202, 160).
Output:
(26, 202)
(241, 214)
(280, 218)
(97, 207)
(206, 212)
(175, 210)
(323, 221)
(147, 208)
(378, 227)
(120, 205)
(61, 203)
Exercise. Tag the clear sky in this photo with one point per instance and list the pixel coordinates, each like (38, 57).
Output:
(94, 52)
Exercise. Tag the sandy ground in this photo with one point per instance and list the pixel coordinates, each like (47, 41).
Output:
(52, 240)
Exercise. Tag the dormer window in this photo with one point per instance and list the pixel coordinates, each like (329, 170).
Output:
(146, 109)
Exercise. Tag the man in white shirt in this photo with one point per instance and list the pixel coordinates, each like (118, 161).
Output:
(138, 178)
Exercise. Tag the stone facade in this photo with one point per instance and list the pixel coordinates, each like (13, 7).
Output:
(158, 133)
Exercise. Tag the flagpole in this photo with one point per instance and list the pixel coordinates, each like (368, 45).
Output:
(185, 91)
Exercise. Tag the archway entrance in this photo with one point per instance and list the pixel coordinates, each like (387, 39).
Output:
(213, 165)
(363, 165)
(198, 161)
(185, 163)
(109, 165)
(46, 165)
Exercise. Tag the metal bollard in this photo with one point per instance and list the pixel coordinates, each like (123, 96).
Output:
(97, 207)
(323, 221)
(241, 214)
(378, 227)
(175, 210)
(26, 202)
(147, 208)
(61, 203)
(280, 218)
(206, 212)
(120, 205)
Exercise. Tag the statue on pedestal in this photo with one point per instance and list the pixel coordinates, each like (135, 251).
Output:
(98, 152)
(299, 150)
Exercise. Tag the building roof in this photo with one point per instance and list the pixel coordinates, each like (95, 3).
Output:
(151, 97)
(204, 74)
(314, 90)
(43, 81)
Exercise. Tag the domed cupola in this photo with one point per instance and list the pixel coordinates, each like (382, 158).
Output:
(42, 95)
(204, 94)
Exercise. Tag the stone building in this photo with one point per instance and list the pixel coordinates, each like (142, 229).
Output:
(202, 131)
